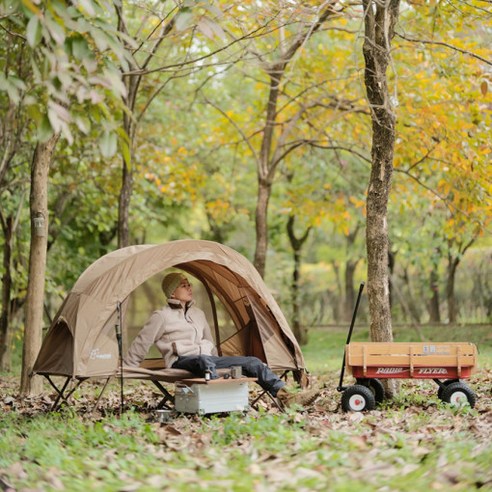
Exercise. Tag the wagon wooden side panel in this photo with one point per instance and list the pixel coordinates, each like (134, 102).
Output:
(419, 360)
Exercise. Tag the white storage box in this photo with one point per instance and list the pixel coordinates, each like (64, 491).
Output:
(219, 395)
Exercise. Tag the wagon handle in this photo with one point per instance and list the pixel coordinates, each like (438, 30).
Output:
(349, 336)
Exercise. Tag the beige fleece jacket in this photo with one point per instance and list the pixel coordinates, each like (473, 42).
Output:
(175, 332)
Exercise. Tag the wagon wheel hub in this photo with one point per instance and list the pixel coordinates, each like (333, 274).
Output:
(458, 398)
(357, 403)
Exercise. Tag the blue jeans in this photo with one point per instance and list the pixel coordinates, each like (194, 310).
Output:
(251, 367)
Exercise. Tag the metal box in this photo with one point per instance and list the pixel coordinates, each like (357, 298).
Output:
(220, 395)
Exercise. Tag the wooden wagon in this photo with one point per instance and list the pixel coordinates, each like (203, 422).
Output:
(447, 364)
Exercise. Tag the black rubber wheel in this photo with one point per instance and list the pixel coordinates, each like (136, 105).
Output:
(445, 384)
(376, 386)
(459, 394)
(358, 398)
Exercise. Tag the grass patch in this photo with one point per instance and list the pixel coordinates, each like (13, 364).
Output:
(255, 452)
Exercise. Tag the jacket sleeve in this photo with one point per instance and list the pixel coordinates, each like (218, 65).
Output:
(147, 336)
(207, 345)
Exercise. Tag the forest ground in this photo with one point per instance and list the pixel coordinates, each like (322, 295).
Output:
(414, 442)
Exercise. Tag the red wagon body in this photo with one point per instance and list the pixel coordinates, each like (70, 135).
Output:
(371, 361)
(400, 360)
(447, 364)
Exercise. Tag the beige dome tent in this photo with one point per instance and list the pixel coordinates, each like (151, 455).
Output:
(81, 342)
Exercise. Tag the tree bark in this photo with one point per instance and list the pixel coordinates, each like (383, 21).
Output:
(412, 305)
(379, 21)
(124, 206)
(5, 332)
(33, 327)
(434, 302)
(349, 297)
(296, 243)
(337, 297)
(132, 83)
(129, 125)
(453, 263)
(350, 267)
(391, 268)
(261, 225)
(270, 158)
(450, 296)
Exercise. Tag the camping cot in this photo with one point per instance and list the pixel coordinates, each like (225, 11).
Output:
(82, 343)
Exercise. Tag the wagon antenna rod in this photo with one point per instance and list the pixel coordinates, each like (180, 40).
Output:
(117, 326)
(349, 336)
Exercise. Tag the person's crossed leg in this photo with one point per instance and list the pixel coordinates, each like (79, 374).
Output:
(251, 367)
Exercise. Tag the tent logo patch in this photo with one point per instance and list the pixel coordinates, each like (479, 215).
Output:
(96, 355)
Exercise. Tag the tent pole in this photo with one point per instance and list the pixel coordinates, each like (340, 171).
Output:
(214, 313)
(120, 352)
(100, 395)
(59, 391)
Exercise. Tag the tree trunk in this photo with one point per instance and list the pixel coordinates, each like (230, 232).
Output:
(379, 21)
(349, 298)
(434, 302)
(391, 268)
(271, 152)
(261, 224)
(33, 323)
(124, 206)
(350, 267)
(453, 263)
(412, 305)
(266, 169)
(132, 83)
(337, 297)
(298, 329)
(126, 190)
(450, 295)
(296, 243)
(5, 332)
(406, 310)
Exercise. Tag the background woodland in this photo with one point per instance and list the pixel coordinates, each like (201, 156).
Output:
(247, 123)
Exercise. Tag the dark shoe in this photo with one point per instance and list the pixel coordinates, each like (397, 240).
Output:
(303, 398)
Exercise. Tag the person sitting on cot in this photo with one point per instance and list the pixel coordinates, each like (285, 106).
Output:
(181, 333)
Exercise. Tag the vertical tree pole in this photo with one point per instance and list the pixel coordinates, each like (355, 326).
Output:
(271, 151)
(38, 203)
(380, 17)
(296, 244)
(132, 82)
(7, 224)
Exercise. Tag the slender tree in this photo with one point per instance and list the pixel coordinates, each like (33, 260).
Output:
(57, 43)
(274, 135)
(38, 205)
(133, 76)
(168, 44)
(296, 243)
(273, 151)
(8, 228)
(379, 21)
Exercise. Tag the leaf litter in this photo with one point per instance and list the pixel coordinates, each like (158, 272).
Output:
(317, 448)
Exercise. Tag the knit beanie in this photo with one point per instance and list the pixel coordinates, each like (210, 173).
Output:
(171, 282)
